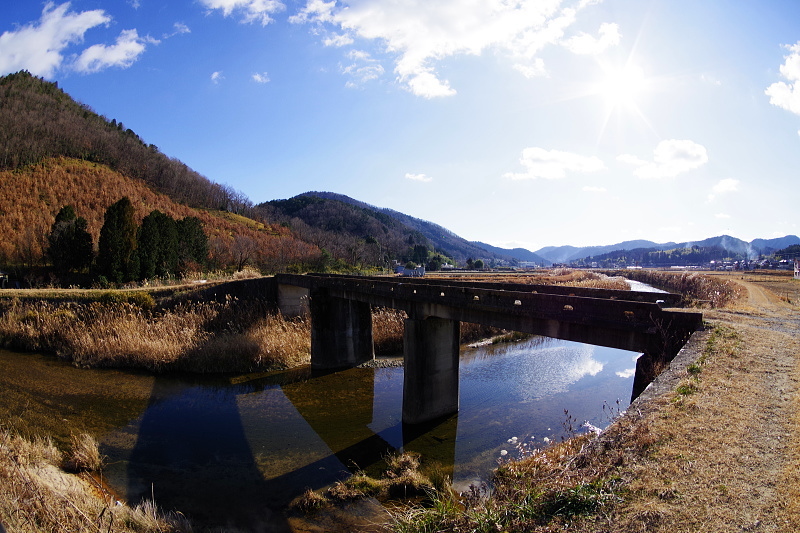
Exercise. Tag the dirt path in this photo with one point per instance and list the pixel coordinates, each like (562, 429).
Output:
(726, 457)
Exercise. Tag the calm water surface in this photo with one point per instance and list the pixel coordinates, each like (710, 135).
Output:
(236, 450)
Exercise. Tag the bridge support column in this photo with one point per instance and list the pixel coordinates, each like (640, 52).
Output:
(430, 385)
(292, 300)
(341, 332)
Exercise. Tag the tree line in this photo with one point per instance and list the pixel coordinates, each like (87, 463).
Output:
(160, 247)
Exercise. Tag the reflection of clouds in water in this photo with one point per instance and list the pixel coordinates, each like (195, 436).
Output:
(540, 371)
(629, 372)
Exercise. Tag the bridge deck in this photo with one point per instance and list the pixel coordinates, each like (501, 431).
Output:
(627, 320)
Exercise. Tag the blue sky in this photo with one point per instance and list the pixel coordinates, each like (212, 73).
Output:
(517, 123)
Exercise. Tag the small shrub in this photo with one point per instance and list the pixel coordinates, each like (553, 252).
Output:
(84, 454)
(309, 502)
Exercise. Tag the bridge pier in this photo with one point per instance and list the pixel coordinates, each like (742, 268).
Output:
(292, 300)
(430, 382)
(341, 331)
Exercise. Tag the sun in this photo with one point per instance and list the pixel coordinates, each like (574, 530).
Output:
(622, 86)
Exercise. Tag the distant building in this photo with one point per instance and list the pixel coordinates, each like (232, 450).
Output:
(413, 272)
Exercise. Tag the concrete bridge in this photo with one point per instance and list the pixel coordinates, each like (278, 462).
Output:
(341, 325)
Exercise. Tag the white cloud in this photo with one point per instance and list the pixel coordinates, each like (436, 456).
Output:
(670, 158)
(585, 44)
(261, 77)
(710, 79)
(123, 53)
(180, 28)
(594, 189)
(724, 186)
(252, 10)
(217, 76)
(553, 164)
(419, 177)
(363, 68)
(338, 40)
(787, 95)
(421, 33)
(534, 69)
(317, 11)
(39, 48)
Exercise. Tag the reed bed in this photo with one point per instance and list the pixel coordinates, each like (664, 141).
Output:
(557, 276)
(713, 290)
(201, 337)
(38, 496)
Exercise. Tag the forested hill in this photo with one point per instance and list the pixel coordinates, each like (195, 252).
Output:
(56, 152)
(337, 222)
(38, 121)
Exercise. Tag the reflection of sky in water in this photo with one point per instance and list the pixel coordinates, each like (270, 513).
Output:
(278, 435)
(529, 373)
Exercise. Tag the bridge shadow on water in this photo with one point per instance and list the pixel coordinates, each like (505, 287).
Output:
(234, 455)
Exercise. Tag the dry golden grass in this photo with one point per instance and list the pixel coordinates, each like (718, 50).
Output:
(198, 337)
(83, 455)
(559, 276)
(714, 290)
(37, 496)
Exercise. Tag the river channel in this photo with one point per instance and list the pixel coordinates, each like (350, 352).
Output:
(223, 449)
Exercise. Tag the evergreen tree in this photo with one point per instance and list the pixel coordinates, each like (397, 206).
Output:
(158, 246)
(70, 244)
(192, 241)
(117, 258)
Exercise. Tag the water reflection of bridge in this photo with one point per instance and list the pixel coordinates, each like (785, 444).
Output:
(341, 334)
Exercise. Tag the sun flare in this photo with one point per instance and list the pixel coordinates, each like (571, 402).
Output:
(621, 87)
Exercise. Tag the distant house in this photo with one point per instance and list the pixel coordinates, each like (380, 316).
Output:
(413, 272)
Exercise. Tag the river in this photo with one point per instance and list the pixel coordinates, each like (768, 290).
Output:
(234, 450)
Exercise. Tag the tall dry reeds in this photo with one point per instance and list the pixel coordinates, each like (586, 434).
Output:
(714, 290)
(201, 337)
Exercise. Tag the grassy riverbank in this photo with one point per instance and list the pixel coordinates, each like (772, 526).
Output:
(713, 449)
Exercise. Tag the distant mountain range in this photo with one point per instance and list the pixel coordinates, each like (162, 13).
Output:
(340, 214)
(567, 254)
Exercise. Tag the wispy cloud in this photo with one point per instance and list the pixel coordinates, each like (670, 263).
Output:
(40, 47)
(260, 77)
(179, 28)
(364, 68)
(259, 11)
(670, 158)
(586, 44)
(553, 164)
(123, 53)
(217, 76)
(727, 185)
(420, 34)
(419, 177)
(787, 95)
